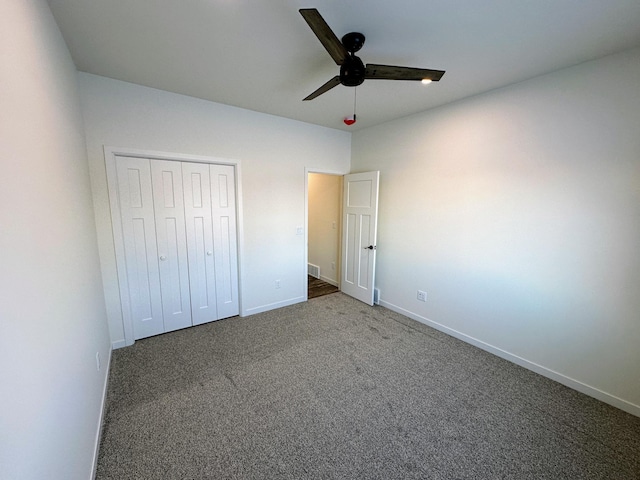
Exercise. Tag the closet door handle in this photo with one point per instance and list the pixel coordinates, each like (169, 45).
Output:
(163, 257)
(209, 252)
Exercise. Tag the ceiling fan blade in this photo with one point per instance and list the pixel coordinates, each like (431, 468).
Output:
(389, 72)
(326, 36)
(335, 81)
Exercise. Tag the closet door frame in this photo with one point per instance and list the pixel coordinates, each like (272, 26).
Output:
(111, 155)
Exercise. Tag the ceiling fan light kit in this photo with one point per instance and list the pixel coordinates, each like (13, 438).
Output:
(352, 70)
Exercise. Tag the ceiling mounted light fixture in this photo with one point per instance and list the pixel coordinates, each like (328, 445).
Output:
(353, 71)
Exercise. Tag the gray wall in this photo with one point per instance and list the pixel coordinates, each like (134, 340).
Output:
(272, 152)
(518, 211)
(52, 311)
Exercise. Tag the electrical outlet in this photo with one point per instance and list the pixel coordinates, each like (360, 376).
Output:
(422, 296)
(98, 361)
(277, 283)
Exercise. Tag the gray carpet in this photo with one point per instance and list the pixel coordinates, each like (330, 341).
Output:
(332, 388)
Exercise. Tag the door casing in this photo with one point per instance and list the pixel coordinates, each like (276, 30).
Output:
(111, 154)
(306, 228)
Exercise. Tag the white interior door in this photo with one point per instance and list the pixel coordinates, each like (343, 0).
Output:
(197, 207)
(223, 213)
(168, 200)
(359, 227)
(140, 286)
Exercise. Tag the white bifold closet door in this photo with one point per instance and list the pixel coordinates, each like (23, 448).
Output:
(210, 210)
(180, 244)
(140, 283)
(166, 181)
(199, 229)
(223, 204)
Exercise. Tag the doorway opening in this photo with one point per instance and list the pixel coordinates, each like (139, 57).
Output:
(347, 212)
(324, 213)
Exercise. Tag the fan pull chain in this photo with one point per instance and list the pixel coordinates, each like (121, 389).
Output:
(352, 119)
(355, 98)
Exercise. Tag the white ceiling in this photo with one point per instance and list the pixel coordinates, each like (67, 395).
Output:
(262, 56)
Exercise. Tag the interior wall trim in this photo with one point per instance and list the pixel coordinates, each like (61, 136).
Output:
(103, 410)
(605, 397)
(273, 306)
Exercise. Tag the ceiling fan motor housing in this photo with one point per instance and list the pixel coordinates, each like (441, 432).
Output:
(352, 72)
(353, 41)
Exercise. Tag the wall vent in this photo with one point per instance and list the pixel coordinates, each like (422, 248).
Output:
(314, 270)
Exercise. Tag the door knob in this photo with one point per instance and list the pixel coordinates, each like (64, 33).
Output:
(209, 252)
(163, 257)
(370, 247)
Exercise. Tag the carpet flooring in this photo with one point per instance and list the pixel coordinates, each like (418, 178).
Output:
(335, 389)
(318, 288)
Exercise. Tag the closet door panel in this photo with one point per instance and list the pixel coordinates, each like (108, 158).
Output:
(197, 207)
(223, 209)
(141, 257)
(168, 202)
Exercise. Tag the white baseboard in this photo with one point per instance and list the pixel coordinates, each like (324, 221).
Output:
(101, 415)
(329, 280)
(118, 344)
(605, 397)
(272, 306)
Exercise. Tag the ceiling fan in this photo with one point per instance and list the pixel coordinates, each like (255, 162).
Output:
(352, 71)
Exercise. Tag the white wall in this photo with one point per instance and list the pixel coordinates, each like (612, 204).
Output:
(52, 312)
(324, 194)
(273, 153)
(518, 211)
